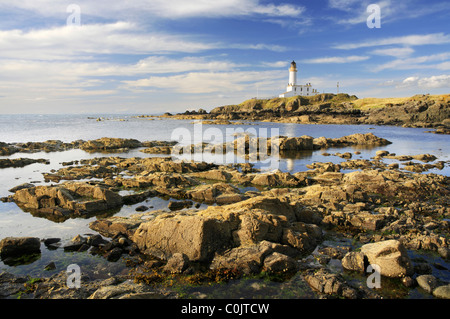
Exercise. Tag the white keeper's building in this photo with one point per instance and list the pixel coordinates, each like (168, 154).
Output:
(293, 89)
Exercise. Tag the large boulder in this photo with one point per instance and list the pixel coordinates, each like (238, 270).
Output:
(202, 234)
(67, 199)
(390, 256)
(198, 237)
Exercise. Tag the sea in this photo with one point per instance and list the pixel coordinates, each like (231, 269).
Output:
(68, 128)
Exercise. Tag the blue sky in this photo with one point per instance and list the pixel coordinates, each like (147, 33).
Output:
(152, 56)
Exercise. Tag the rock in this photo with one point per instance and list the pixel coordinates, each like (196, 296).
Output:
(354, 261)
(110, 144)
(141, 208)
(52, 242)
(75, 244)
(210, 192)
(330, 284)
(444, 252)
(117, 290)
(67, 200)
(442, 292)
(173, 205)
(20, 162)
(196, 236)
(50, 266)
(250, 259)
(391, 256)
(381, 153)
(427, 282)
(276, 179)
(295, 143)
(303, 237)
(114, 254)
(408, 282)
(177, 263)
(18, 246)
(21, 186)
(96, 240)
(278, 263)
(424, 157)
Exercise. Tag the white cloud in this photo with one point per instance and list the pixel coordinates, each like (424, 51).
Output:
(435, 82)
(85, 41)
(347, 59)
(208, 82)
(395, 52)
(421, 62)
(432, 82)
(65, 42)
(161, 8)
(277, 64)
(408, 40)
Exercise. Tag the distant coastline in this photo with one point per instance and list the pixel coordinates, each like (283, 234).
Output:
(428, 111)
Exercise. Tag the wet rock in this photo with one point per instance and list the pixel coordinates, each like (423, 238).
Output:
(18, 246)
(276, 179)
(173, 205)
(330, 284)
(67, 199)
(75, 244)
(442, 292)
(210, 193)
(110, 144)
(196, 236)
(177, 263)
(141, 208)
(381, 153)
(354, 261)
(114, 254)
(391, 256)
(249, 259)
(96, 240)
(21, 186)
(280, 264)
(50, 266)
(444, 252)
(427, 282)
(116, 225)
(52, 243)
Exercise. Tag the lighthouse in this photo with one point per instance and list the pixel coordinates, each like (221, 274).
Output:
(293, 74)
(293, 88)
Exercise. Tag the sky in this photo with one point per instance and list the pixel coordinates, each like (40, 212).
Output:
(154, 56)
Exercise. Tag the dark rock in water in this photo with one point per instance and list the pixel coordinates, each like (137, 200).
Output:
(96, 240)
(141, 208)
(52, 243)
(114, 254)
(179, 205)
(75, 244)
(17, 246)
(50, 266)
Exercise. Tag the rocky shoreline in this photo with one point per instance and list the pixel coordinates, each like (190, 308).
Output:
(274, 224)
(418, 111)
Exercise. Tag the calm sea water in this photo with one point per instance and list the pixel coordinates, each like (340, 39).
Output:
(67, 128)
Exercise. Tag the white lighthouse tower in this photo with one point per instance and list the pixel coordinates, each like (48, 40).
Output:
(293, 89)
(293, 74)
